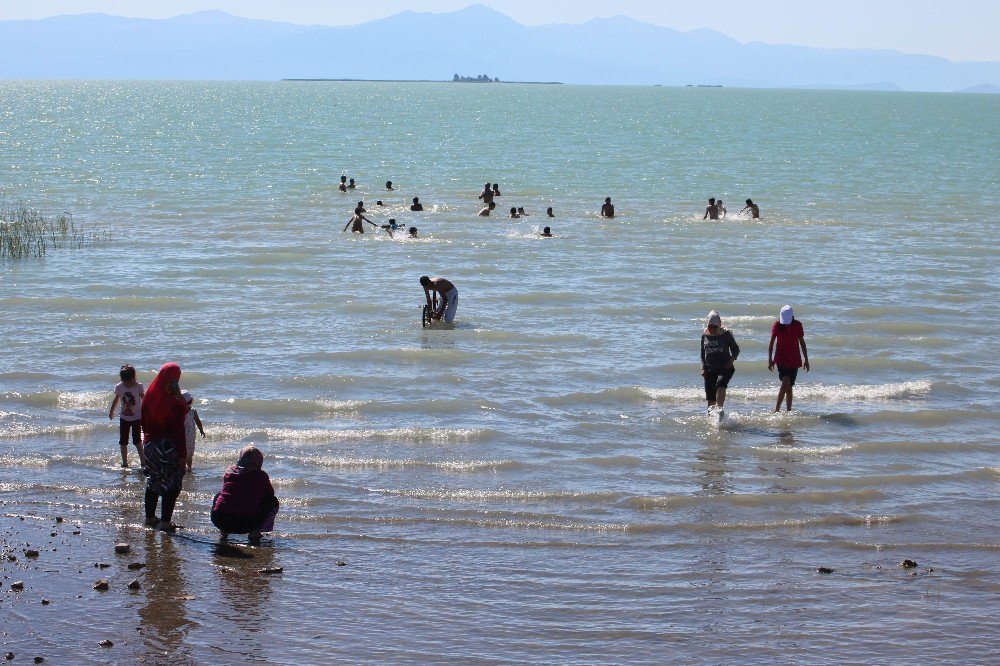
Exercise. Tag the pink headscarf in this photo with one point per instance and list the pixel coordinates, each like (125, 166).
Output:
(163, 409)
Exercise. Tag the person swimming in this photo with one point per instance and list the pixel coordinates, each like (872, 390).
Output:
(520, 211)
(485, 212)
(413, 232)
(417, 206)
(391, 227)
(712, 212)
(718, 204)
(343, 184)
(547, 232)
(753, 208)
(487, 195)
(379, 203)
(358, 219)
(351, 185)
(513, 213)
(549, 213)
(388, 185)
(496, 190)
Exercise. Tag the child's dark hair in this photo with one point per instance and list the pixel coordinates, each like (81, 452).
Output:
(127, 373)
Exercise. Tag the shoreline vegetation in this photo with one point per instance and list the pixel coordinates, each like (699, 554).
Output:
(534, 83)
(24, 233)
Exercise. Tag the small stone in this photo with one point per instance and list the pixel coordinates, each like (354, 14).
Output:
(17, 585)
(52, 534)
(9, 656)
(271, 570)
(135, 585)
(106, 643)
(122, 548)
(45, 602)
(825, 570)
(59, 519)
(908, 564)
(76, 532)
(102, 585)
(12, 558)
(39, 660)
(31, 553)
(341, 563)
(102, 565)
(135, 566)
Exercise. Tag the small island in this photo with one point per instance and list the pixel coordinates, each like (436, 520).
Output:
(482, 78)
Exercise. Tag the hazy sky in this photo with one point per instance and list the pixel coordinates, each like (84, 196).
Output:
(956, 29)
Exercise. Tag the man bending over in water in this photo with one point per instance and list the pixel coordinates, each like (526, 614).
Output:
(485, 212)
(752, 207)
(448, 297)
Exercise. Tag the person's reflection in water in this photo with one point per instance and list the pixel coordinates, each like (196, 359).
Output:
(783, 466)
(164, 623)
(713, 461)
(245, 596)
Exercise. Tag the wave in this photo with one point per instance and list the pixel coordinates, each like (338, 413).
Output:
(502, 495)
(231, 433)
(832, 393)
(347, 463)
(756, 499)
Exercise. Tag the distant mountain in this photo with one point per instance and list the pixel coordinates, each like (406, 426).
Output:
(412, 45)
(985, 88)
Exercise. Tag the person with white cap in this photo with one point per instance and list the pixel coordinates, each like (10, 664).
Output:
(718, 352)
(191, 421)
(790, 336)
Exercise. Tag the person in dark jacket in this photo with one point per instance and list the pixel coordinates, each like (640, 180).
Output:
(718, 351)
(246, 504)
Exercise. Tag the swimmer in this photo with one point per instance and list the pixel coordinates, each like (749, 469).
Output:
(549, 213)
(718, 204)
(417, 206)
(351, 185)
(389, 228)
(343, 184)
(513, 214)
(520, 211)
(752, 207)
(388, 185)
(487, 195)
(360, 207)
(379, 203)
(608, 209)
(357, 219)
(413, 232)
(448, 297)
(547, 232)
(496, 190)
(712, 212)
(485, 212)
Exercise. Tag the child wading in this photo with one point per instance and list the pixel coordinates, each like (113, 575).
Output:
(718, 351)
(246, 504)
(129, 393)
(789, 335)
(191, 421)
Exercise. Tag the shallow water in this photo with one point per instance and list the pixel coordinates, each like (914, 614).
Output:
(539, 483)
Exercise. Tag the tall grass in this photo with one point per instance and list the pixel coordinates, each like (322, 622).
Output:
(25, 233)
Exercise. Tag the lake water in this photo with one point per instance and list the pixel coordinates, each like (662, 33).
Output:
(539, 484)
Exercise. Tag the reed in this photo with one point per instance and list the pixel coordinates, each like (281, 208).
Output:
(25, 233)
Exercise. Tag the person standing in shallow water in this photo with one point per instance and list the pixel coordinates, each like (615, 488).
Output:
(753, 208)
(608, 209)
(790, 336)
(163, 412)
(718, 352)
(712, 212)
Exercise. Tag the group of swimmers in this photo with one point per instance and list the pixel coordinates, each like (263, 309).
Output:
(716, 207)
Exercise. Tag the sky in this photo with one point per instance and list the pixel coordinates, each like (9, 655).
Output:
(954, 29)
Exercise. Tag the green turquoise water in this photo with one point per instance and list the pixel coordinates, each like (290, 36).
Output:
(539, 483)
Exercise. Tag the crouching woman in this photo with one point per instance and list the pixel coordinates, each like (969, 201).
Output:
(246, 504)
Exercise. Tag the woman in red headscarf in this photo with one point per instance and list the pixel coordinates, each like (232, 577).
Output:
(164, 444)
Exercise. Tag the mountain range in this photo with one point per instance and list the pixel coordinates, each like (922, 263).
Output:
(213, 45)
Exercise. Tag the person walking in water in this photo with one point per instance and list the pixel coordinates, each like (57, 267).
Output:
(712, 212)
(753, 208)
(790, 336)
(487, 194)
(448, 297)
(485, 212)
(343, 184)
(718, 352)
(721, 207)
(608, 209)
(129, 393)
(358, 219)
